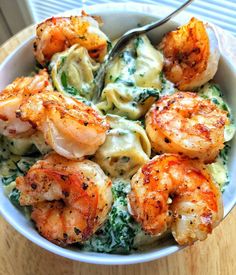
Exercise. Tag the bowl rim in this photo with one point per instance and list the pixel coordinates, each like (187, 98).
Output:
(96, 257)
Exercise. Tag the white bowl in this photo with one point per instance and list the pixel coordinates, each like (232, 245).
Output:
(117, 19)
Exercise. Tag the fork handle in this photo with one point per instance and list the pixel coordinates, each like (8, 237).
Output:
(124, 39)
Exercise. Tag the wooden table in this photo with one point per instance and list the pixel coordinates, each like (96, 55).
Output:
(18, 256)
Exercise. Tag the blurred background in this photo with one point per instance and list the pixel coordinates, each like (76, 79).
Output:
(17, 14)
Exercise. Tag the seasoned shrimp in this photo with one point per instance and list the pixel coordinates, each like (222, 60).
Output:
(187, 124)
(191, 55)
(70, 199)
(70, 127)
(13, 96)
(59, 33)
(175, 193)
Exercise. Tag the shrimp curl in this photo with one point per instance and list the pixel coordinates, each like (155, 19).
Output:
(185, 123)
(175, 193)
(191, 55)
(70, 199)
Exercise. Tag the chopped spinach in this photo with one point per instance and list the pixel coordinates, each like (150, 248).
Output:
(11, 168)
(118, 232)
(24, 164)
(15, 168)
(219, 169)
(131, 70)
(69, 89)
(64, 80)
(9, 179)
(162, 77)
(125, 82)
(213, 92)
(14, 197)
(120, 189)
(145, 94)
(63, 59)
(109, 46)
(127, 56)
(138, 42)
(224, 154)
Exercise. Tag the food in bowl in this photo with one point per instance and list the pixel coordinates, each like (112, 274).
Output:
(86, 174)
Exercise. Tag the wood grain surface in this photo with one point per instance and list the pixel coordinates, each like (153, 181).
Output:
(18, 256)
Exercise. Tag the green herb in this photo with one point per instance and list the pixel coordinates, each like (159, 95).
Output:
(223, 158)
(23, 165)
(71, 90)
(120, 189)
(68, 89)
(19, 170)
(109, 45)
(14, 197)
(224, 153)
(215, 101)
(20, 167)
(127, 56)
(64, 79)
(7, 180)
(216, 90)
(212, 91)
(138, 42)
(63, 59)
(225, 107)
(125, 82)
(162, 77)
(145, 94)
(132, 70)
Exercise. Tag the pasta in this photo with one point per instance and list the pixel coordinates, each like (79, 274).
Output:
(133, 81)
(73, 72)
(134, 139)
(125, 149)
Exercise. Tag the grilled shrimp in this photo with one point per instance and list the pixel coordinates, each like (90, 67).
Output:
(187, 124)
(13, 96)
(191, 55)
(70, 127)
(70, 199)
(175, 193)
(59, 33)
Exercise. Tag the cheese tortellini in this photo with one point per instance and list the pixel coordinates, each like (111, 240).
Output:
(133, 80)
(73, 71)
(126, 148)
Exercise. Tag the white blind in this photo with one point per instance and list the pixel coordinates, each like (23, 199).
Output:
(219, 12)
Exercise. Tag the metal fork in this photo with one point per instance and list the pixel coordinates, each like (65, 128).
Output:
(123, 41)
